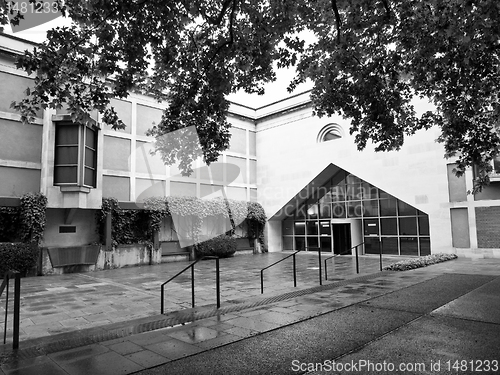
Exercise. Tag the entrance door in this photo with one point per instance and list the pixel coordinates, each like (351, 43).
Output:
(341, 237)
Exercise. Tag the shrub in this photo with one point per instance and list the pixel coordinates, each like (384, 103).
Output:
(425, 261)
(17, 257)
(223, 246)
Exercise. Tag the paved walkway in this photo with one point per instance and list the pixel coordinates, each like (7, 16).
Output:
(439, 313)
(64, 303)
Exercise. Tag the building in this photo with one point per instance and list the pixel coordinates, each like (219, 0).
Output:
(318, 191)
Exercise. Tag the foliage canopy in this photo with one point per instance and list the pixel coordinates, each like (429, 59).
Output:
(367, 60)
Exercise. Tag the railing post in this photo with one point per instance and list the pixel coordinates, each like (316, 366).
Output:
(320, 273)
(261, 281)
(17, 305)
(192, 285)
(162, 304)
(326, 270)
(294, 273)
(357, 260)
(6, 309)
(380, 253)
(217, 280)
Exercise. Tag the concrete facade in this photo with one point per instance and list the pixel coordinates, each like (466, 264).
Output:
(283, 152)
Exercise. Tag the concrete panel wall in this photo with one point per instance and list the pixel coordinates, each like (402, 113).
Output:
(20, 142)
(289, 157)
(16, 182)
(460, 227)
(83, 220)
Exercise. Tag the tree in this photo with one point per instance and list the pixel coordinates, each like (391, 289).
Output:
(367, 61)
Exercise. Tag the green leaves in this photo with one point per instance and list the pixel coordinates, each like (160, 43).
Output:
(33, 217)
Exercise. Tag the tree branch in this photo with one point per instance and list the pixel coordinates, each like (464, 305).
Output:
(337, 18)
(231, 34)
(220, 17)
(387, 8)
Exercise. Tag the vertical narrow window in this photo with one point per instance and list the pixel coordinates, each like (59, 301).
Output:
(75, 159)
(66, 155)
(90, 160)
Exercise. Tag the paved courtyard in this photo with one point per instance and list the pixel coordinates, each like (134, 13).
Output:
(63, 303)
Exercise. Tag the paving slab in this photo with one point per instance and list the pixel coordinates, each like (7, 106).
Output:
(483, 304)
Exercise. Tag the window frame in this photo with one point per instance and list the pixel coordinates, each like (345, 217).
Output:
(82, 149)
(495, 176)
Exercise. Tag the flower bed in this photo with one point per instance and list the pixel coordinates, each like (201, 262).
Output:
(425, 261)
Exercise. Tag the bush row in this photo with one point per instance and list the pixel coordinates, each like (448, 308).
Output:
(17, 257)
(223, 246)
(425, 261)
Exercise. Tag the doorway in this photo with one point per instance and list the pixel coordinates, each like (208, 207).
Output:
(341, 237)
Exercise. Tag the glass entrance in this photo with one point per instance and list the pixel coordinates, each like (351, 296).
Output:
(394, 225)
(341, 237)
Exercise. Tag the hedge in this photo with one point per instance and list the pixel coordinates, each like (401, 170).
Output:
(222, 246)
(17, 257)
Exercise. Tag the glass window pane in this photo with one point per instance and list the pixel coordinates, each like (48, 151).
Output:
(287, 227)
(389, 245)
(496, 165)
(405, 209)
(89, 177)
(369, 191)
(300, 228)
(354, 192)
(300, 243)
(287, 243)
(425, 246)
(325, 211)
(312, 227)
(326, 244)
(409, 245)
(384, 195)
(351, 179)
(327, 198)
(408, 225)
(371, 245)
(388, 207)
(423, 225)
(338, 193)
(90, 158)
(370, 208)
(354, 209)
(338, 210)
(66, 155)
(371, 227)
(312, 211)
(65, 175)
(301, 212)
(324, 228)
(389, 226)
(90, 138)
(312, 242)
(67, 134)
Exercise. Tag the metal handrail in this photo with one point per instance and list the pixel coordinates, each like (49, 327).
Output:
(17, 305)
(279, 261)
(344, 253)
(217, 281)
(294, 268)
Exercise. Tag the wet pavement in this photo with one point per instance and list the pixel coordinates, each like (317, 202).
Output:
(435, 314)
(64, 303)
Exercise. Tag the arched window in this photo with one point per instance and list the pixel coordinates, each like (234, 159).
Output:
(330, 132)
